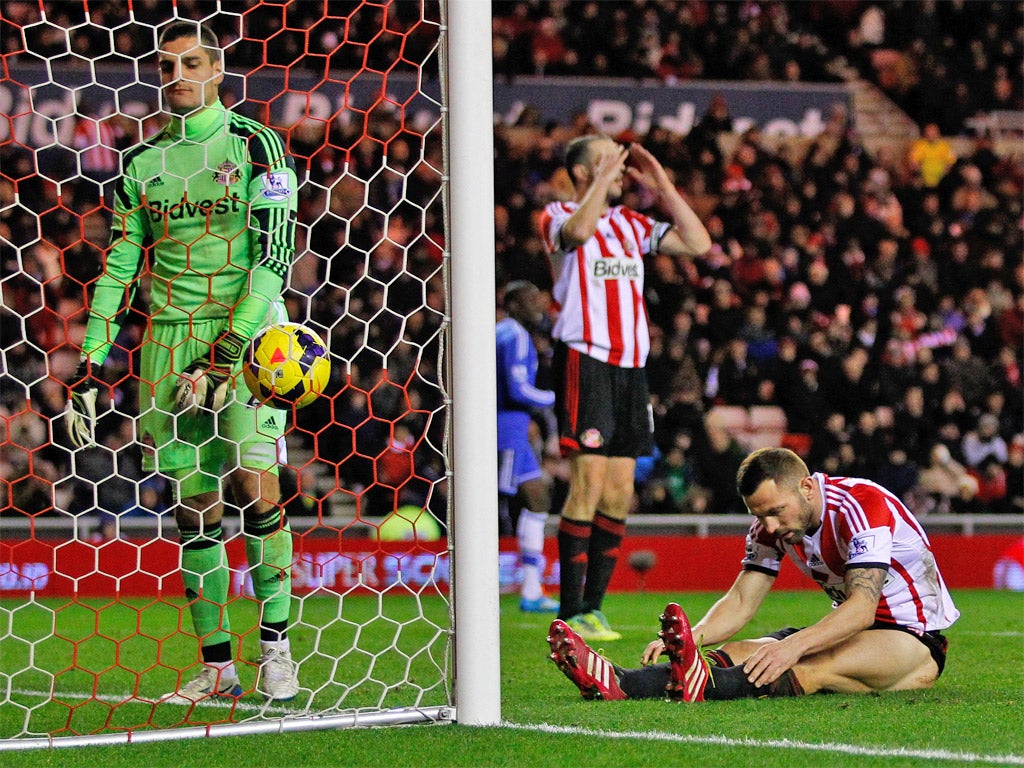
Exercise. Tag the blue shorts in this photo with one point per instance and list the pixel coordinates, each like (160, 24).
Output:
(517, 463)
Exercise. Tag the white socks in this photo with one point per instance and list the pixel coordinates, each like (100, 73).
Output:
(530, 532)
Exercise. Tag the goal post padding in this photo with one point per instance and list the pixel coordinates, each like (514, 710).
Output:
(95, 626)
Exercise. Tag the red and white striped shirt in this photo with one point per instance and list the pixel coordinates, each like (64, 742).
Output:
(599, 286)
(865, 525)
(97, 142)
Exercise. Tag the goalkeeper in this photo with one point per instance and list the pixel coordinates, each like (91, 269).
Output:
(214, 195)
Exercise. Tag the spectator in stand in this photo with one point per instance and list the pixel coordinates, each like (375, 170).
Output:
(716, 465)
(804, 400)
(992, 488)
(851, 389)
(914, 426)
(672, 487)
(944, 485)
(967, 373)
(1014, 473)
(738, 375)
(931, 156)
(984, 442)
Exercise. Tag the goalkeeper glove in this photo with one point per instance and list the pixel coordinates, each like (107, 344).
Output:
(80, 412)
(206, 381)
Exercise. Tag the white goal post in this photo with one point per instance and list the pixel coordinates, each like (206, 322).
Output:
(471, 191)
(457, 622)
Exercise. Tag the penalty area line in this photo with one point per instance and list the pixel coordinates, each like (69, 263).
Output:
(726, 741)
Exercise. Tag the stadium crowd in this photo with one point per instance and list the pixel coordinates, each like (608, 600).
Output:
(878, 302)
(944, 62)
(882, 315)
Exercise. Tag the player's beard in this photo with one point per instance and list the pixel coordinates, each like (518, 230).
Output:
(807, 520)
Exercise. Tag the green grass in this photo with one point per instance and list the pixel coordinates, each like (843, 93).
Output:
(975, 709)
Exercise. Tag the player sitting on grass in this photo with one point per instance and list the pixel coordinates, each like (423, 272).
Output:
(856, 540)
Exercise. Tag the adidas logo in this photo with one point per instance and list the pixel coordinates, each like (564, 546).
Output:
(156, 181)
(814, 560)
(269, 423)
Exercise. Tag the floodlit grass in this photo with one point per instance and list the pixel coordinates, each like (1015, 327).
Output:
(975, 710)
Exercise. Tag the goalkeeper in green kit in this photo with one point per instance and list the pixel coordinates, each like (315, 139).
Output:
(214, 194)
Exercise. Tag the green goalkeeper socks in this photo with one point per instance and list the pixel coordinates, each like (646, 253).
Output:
(268, 547)
(204, 570)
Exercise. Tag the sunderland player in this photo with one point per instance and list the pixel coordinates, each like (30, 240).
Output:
(213, 193)
(597, 250)
(857, 541)
(519, 474)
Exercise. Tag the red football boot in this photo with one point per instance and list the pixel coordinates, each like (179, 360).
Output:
(589, 671)
(690, 672)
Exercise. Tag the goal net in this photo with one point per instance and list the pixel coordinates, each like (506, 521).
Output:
(95, 621)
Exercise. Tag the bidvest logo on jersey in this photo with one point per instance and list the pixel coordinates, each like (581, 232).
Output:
(616, 268)
(188, 209)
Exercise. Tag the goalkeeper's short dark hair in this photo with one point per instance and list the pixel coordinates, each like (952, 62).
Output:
(185, 28)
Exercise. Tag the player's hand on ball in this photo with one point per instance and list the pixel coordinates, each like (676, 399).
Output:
(206, 382)
(80, 411)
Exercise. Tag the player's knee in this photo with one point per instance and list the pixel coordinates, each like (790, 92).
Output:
(195, 511)
(536, 496)
(616, 500)
(738, 651)
(923, 677)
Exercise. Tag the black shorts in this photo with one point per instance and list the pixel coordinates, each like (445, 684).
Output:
(934, 641)
(602, 409)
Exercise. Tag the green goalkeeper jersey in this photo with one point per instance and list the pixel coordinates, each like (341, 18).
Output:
(214, 195)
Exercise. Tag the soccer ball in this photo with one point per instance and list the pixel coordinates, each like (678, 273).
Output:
(287, 365)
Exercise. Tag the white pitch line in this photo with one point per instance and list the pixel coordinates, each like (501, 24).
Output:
(846, 749)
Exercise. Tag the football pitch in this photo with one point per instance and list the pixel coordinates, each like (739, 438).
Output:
(973, 716)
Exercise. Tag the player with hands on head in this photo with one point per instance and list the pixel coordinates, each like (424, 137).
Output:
(519, 474)
(854, 538)
(213, 195)
(598, 250)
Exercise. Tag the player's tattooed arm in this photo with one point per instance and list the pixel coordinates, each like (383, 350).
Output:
(868, 582)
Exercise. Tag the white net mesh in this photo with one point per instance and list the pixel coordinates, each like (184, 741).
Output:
(95, 623)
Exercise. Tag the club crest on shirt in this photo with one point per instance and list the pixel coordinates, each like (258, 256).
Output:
(592, 438)
(275, 186)
(226, 174)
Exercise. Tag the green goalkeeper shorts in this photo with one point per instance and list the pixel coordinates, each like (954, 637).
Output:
(197, 450)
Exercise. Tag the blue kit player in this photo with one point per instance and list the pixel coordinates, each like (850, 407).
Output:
(519, 474)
